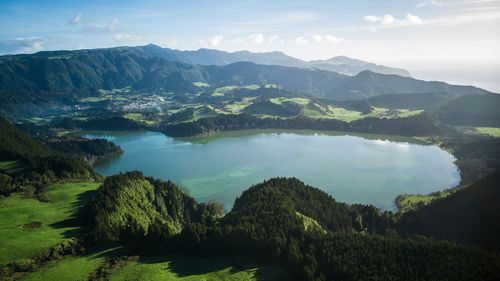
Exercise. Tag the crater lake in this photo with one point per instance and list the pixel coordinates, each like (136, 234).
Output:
(352, 169)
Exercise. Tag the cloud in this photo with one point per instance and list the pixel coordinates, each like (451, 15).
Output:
(256, 38)
(431, 3)
(23, 45)
(215, 40)
(371, 18)
(114, 24)
(326, 38)
(77, 19)
(126, 37)
(389, 20)
(272, 39)
(301, 40)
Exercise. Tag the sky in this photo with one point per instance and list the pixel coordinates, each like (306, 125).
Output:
(418, 35)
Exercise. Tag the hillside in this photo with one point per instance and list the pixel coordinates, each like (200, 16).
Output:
(472, 110)
(340, 64)
(349, 66)
(54, 83)
(470, 215)
(27, 166)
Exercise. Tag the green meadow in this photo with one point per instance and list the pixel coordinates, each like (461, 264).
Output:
(190, 268)
(72, 268)
(29, 226)
(489, 131)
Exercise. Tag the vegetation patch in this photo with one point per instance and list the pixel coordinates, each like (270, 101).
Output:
(11, 167)
(201, 84)
(489, 131)
(407, 202)
(29, 226)
(191, 268)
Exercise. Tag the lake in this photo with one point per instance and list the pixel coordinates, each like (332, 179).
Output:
(352, 169)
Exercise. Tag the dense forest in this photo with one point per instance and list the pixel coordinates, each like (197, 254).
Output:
(31, 165)
(419, 125)
(283, 221)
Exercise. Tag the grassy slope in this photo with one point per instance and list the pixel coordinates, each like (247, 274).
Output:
(189, 268)
(72, 268)
(18, 242)
(489, 131)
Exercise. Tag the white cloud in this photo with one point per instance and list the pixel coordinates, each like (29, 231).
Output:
(272, 39)
(172, 43)
(389, 20)
(430, 3)
(326, 38)
(23, 45)
(215, 40)
(256, 38)
(77, 19)
(301, 40)
(317, 38)
(413, 19)
(114, 24)
(126, 37)
(371, 18)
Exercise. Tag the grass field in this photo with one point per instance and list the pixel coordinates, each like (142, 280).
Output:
(310, 224)
(72, 268)
(11, 167)
(201, 84)
(189, 268)
(408, 202)
(29, 226)
(139, 118)
(489, 131)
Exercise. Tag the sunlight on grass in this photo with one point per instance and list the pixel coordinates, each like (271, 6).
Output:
(20, 240)
(489, 131)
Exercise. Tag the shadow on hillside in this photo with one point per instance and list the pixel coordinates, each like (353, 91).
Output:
(187, 266)
(78, 221)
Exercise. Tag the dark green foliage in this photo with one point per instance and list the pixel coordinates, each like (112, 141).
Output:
(269, 108)
(16, 144)
(181, 116)
(470, 215)
(422, 124)
(263, 223)
(107, 123)
(130, 207)
(472, 110)
(89, 150)
(410, 101)
(39, 166)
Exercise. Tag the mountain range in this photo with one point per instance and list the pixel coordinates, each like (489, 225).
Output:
(63, 72)
(340, 64)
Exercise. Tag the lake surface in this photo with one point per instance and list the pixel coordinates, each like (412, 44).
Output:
(351, 169)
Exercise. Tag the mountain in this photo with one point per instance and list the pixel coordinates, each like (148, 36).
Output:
(349, 66)
(216, 57)
(44, 80)
(340, 64)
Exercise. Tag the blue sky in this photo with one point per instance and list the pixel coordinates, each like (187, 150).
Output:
(400, 33)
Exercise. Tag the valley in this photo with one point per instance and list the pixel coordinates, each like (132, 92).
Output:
(268, 168)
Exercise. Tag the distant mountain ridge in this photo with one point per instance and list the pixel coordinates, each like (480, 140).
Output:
(341, 64)
(75, 71)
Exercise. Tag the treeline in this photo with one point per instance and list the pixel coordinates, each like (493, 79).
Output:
(88, 150)
(419, 125)
(105, 123)
(129, 206)
(271, 222)
(470, 215)
(35, 165)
